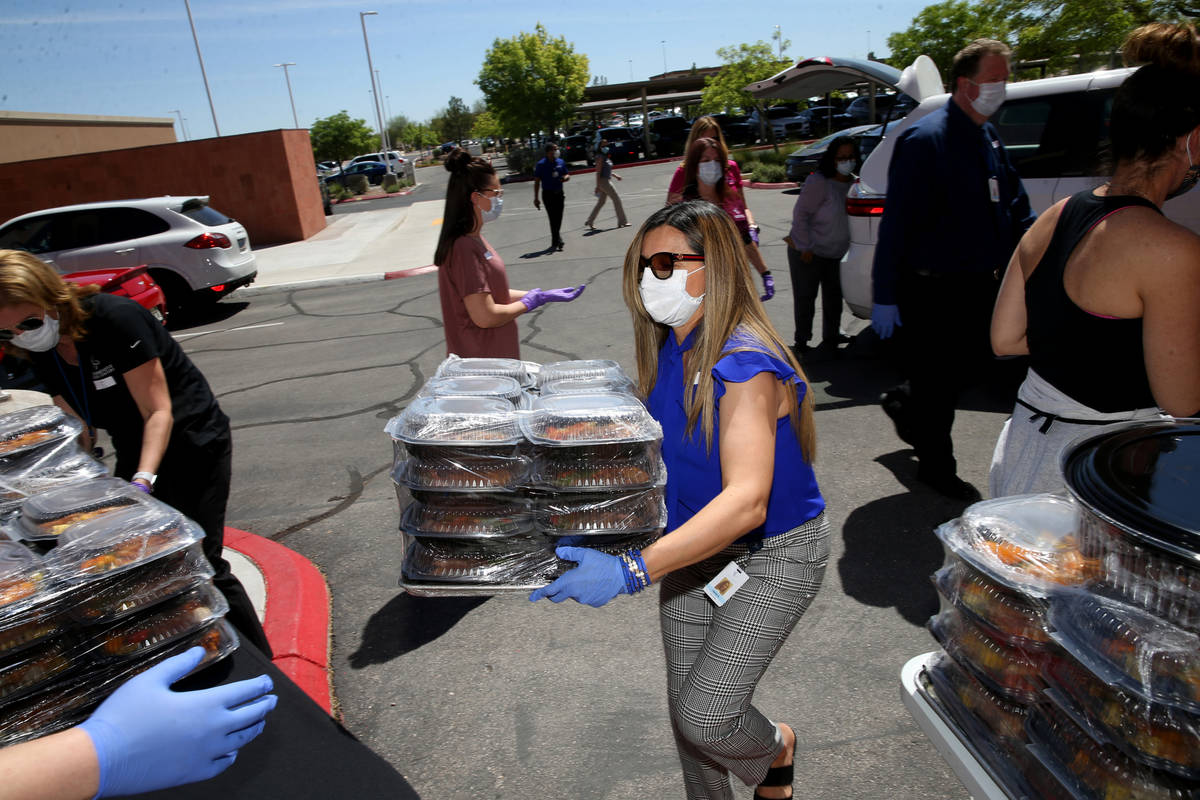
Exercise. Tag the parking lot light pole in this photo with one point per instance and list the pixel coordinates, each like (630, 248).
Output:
(203, 74)
(285, 65)
(362, 17)
(182, 127)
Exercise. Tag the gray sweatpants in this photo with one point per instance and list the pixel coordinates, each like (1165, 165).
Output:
(606, 189)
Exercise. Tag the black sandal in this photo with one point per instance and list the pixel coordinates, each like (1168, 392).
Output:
(778, 776)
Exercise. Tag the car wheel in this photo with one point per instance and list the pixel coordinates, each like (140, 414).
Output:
(178, 294)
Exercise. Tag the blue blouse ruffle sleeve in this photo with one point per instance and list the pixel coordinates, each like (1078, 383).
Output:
(742, 365)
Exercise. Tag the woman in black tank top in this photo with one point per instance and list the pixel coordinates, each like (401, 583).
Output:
(1102, 291)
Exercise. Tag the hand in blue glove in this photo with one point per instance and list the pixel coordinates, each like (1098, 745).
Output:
(149, 737)
(539, 297)
(768, 286)
(598, 578)
(885, 319)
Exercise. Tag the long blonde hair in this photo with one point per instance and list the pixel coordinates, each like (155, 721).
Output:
(25, 278)
(732, 310)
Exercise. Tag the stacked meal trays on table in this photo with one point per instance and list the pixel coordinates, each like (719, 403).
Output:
(98, 581)
(39, 450)
(1070, 624)
(491, 483)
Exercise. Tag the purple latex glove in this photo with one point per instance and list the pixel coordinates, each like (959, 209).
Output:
(885, 319)
(598, 578)
(768, 286)
(149, 737)
(754, 234)
(539, 297)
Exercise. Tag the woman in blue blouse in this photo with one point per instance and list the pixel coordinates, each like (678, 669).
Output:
(727, 390)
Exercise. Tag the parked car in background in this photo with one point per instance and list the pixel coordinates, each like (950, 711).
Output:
(374, 170)
(891, 106)
(191, 250)
(777, 118)
(819, 121)
(574, 148)
(1056, 134)
(668, 135)
(326, 199)
(803, 162)
(391, 158)
(623, 144)
(736, 128)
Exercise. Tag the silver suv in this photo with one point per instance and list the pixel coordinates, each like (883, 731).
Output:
(193, 251)
(1056, 133)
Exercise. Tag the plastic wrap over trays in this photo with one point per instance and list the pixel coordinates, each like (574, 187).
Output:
(498, 461)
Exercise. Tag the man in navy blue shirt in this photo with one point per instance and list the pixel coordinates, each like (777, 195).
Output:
(955, 210)
(549, 175)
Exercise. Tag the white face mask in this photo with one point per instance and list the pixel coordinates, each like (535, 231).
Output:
(493, 213)
(991, 97)
(668, 302)
(845, 167)
(40, 339)
(710, 172)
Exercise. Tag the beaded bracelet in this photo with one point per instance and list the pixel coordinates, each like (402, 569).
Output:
(627, 573)
(637, 577)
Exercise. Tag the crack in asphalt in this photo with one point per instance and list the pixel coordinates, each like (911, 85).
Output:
(357, 483)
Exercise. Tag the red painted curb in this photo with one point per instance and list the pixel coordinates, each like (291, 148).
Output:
(752, 185)
(296, 620)
(408, 273)
(362, 197)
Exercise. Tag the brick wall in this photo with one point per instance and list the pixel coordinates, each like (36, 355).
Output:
(266, 181)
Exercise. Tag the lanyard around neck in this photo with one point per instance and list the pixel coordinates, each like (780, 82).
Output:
(87, 412)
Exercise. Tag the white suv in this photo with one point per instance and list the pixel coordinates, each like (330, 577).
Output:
(193, 251)
(392, 158)
(1056, 133)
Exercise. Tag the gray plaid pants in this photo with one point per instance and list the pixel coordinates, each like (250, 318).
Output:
(716, 655)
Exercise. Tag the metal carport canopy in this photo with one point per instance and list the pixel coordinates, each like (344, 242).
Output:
(818, 76)
(634, 102)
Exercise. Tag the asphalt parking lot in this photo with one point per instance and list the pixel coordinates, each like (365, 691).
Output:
(499, 698)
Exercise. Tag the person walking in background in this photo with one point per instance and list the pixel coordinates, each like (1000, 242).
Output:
(479, 310)
(1103, 291)
(549, 175)
(742, 498)
(105, 360)
(819, 237)
(604, 187)
(703, 128)
(707, 176)
(955, 211)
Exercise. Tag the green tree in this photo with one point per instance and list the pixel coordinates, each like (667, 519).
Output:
(941, 30)
(744, 64)
(455, 120)
(485, 125)
(395, 129)
(337, 137)
(532, 81)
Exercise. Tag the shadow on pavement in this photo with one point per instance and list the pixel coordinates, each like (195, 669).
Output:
(205, 314)
(890, 549)
(537, 253)
(407, 623)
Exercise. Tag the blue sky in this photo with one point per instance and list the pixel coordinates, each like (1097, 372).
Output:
(137, 57)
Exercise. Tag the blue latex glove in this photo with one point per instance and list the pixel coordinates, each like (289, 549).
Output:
(149, 737)
(539, 297)
(885, 319)
(598, 578)
(768, 286)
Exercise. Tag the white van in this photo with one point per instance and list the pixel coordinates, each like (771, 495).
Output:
(1056, 133)
(391, 157)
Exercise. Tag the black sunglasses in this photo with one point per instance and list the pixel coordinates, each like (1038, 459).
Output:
(31, 324)
(662, 265)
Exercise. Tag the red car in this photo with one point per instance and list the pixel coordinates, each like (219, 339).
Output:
(134, 283)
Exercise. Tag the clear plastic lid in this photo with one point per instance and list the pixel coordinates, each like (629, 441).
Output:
(1153, 734)
(35, 668)
(483, 516)
(19, 631)
(602, 513)
(588, 419)
(513, 368)
(22, 575)
(500, 386)
(50, 514)
(585, 368)
(52, 468)
(1029, 543)
(641, 471)
(1001, 717)
(137, 589)
(33, 427)
(592, 385)
(1001, 668)
(1090, 770)
(122, 541)
(51, 709)
(458, 471)
(1128, 647)
(460, 421)
(1004, 614)
(165, 623)
(513, 560)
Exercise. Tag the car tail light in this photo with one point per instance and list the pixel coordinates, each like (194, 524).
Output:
(220, 287)
(208, 240)
(864, 206)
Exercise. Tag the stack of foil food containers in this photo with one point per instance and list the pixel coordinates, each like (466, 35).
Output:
(497, 462)
(1071, 624)
(98, 581)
